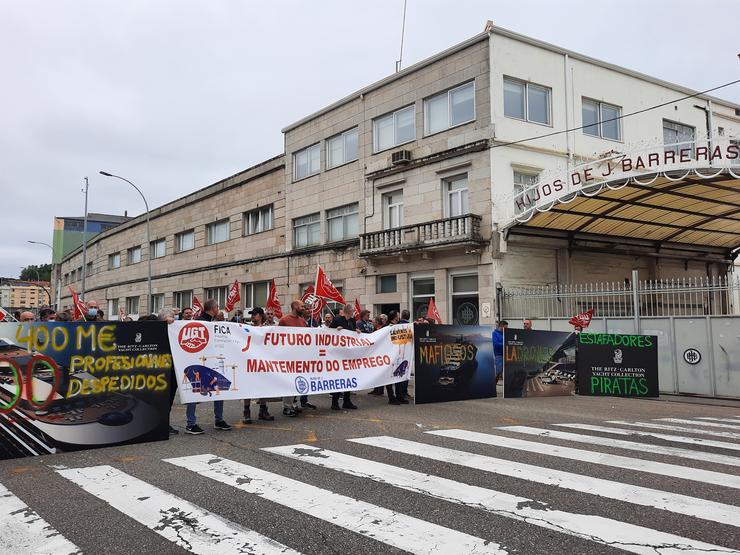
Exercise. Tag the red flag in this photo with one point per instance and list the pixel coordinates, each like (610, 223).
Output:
(325, 288)
(313, 303)
(273, 302)
(5, 316)
(197, 307)
(583, 319)
(234, 297)
(79, 305)
(432, 312)
(358, 309)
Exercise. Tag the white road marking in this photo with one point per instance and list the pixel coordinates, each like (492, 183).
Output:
(699, 423)
(628, 537)
(387, 526)
(667, 437)
(728, 420)
(19, 440)
(622, 444)
(25, 532)
(669, 428)
(172, 517)
(607, 459)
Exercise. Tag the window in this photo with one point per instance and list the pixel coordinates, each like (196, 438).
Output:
(157, 302)
(132, 306)
(341, 148)
(158, 248)
(307, 162)
(112, 313)
(342, 222)
(89, 269)
(677, 137)
(386, 284)
(421, 291)
(257, 221)
(450, 108)
(66, 279)
(465, 299)
(114, 261)
(218, 294)
(182, 299)
(596, 119)
(393, 210)
(185, 241)
(456, 196)
(526, 101)
(523, 181)
(306, 231)
(217, 232)
(255, 294)
(134, 255)
(394, 129)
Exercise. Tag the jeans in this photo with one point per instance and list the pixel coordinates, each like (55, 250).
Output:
(218, 412)
(499, 363)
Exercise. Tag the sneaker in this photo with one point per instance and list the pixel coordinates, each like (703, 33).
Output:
(173, 432)
(394, 402)
(246, 419)
(289, 412)
(194, 430)
(335, 406)
(403, 401)
(299, 410)
(349, 405)
(222, 425)
(264, 415)
(308, 406)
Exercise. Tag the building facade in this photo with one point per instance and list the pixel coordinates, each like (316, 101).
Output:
(406, 191)
(18, 295)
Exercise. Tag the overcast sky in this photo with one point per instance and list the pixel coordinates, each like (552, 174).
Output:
(177, 94)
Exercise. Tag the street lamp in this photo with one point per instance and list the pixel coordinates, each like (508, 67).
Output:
(148, 237)
(37, 274)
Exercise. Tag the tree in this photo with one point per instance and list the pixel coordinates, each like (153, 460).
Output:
(29, 272)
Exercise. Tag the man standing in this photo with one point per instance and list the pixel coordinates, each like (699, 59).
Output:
(92, 311)
(498, 348)
(186, 314)
(397, 398)
(343, 322)
(26, 316)
(296, 319)
(258, 320)
(210, 311)
(527, 324)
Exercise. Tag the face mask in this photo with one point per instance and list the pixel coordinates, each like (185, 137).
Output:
(92, 312)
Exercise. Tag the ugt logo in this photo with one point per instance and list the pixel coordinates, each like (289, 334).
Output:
(193, 337)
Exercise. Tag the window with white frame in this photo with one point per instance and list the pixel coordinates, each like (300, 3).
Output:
(601, 119)
(522, 181)
(218, 294)
(134, 255)
(394, 129)
(527, 101)
(456, 196)
(341, 148)
(157, 302)
(182, 299)
(393, 209)
(255, 294)
(386, 284)
(342, 222)
(114, 261)
(307, 162)
(185, 240)
(465, 299)
(112, 309)
(307, 231)
(422, 289)
(132, 306)
(677, 137)
(258, 220)
(217, 232)
(450, 108)
(158, 248)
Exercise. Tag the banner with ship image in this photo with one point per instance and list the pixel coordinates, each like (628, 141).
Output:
(219, 361)
(539, 363)
(66, 386)
(453, 363)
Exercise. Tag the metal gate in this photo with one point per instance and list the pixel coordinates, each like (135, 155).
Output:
(697, 321)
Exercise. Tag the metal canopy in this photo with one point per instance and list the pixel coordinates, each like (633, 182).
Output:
(703, 212)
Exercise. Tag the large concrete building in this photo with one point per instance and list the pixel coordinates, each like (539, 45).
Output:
(432, 183)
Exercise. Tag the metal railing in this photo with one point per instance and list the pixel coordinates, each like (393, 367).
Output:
(427, 234)
(687, 296)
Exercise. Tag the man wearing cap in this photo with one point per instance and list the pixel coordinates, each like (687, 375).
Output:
(258, 320)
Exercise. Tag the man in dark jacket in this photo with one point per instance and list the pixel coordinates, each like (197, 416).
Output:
(343, 322)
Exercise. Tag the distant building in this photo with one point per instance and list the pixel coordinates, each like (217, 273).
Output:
(68, 231)
(16, 294)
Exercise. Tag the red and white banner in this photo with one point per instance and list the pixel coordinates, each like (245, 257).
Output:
(197, 307)
(583, 319)
(358, 309)
(79, 306)
(314, 304)
(273, 302)
(432, 312)
(218, 361)
(233, 298)
(325, 288)
(6, 316)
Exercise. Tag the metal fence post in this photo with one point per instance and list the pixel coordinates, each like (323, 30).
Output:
(636, 300)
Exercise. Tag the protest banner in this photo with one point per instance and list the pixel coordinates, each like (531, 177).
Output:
(539, 363)
(453, 363)
(224, 360)
(66, 386)
(617, 365)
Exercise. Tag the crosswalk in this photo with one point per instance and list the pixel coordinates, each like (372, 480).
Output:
(564, 480)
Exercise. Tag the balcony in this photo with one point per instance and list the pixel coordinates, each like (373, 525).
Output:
(436, 234)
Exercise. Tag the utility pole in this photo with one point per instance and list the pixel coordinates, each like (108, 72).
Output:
(84, 242)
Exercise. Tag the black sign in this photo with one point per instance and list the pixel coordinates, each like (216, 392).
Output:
(617, 365)
(539, 363)
(76, 385)
(453, 363)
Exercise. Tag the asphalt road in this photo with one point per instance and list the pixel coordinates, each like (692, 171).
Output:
(388, 479)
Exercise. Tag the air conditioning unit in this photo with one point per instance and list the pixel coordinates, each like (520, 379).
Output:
(401, 157)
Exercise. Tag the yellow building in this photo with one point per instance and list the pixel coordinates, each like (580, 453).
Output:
(17, 294)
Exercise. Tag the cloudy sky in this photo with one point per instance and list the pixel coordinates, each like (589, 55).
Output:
(176, 94)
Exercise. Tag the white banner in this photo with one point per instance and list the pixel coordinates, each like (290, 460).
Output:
(223, 360)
